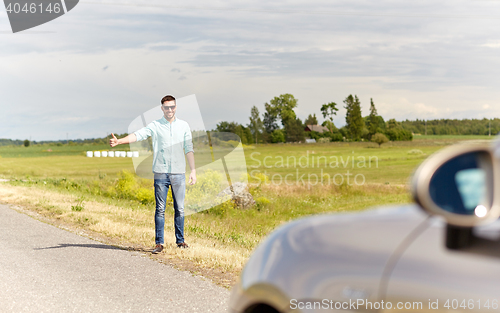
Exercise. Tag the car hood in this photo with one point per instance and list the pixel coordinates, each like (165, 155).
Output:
(331, 256)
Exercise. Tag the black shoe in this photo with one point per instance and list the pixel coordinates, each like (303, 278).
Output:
(157, 249)
(182, 245)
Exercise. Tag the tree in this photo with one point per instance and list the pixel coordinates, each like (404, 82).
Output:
(354, 120)
(270, 119)
(283, 106)
(294, 130)
(244, 133)
(226, 127)
(330, 126)
(255, 122)
(395, 132)
(277, 136)
(26, 143)
(311, 120)
(329, 110)
(393, 124)
(232, 127)
(379, 138)
(373, 119)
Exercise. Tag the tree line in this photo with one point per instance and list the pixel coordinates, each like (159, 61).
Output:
(453, 126)
(279, 123)
(73, 142)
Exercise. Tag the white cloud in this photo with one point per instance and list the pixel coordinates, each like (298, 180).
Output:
(412, 63)
(493, 44)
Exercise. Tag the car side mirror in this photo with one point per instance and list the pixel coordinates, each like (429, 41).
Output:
(460, 184)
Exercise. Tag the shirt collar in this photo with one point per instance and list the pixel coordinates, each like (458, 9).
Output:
(164, 120)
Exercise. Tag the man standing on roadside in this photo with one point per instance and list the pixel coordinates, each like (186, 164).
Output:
(172, 140)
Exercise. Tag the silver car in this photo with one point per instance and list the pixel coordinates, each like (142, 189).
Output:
(440, 254)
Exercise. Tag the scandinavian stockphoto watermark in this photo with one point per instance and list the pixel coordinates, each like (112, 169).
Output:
(222, 168)
(311, 169)
(219, 157)
(26, 14)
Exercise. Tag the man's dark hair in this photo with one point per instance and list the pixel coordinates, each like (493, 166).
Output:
(167, 98)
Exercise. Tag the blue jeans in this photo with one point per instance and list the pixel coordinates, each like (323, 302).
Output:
(162, 183)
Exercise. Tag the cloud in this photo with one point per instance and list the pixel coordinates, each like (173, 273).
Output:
(426, 110)
(493, 44)
(413, 63)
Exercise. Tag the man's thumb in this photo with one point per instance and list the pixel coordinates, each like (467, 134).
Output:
(113, 135)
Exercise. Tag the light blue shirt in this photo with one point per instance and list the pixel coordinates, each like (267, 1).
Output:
(171, 141)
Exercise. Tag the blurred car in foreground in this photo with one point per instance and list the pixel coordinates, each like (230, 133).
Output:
(440, 254)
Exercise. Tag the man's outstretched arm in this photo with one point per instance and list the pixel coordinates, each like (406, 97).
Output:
(113, 142)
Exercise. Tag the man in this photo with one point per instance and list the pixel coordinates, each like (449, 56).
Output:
(171, 141)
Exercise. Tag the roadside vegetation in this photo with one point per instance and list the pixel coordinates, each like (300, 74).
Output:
(104, 196)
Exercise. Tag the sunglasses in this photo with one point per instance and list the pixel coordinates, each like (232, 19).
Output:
(171, 108)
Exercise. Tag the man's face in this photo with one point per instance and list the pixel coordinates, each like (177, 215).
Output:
(168, 108)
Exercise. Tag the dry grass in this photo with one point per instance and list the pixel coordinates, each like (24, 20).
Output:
(221, 239)
(296, 190)
(129, 228)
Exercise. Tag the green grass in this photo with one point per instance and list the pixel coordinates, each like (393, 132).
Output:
(390, 164)
(71, 167)
(224, 223)
(384, 179)
(53, 150)
(227, 224)
(393, 163)
(454, 137)
(85, 181)
(60, 162)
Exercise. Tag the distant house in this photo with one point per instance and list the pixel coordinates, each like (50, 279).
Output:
(316, 128)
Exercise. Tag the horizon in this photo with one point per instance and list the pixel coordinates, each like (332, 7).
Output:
(118, 135)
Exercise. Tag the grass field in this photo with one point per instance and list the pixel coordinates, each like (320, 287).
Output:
(66, 186)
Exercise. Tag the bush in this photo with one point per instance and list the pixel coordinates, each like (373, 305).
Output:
(277, 136)
(396, 134)
(314, 135)
(262, 201)
(258, 178)
(145, 196)
(203, 194)
(337, 136)
(129, 187)
(379, 138)
(126, 185)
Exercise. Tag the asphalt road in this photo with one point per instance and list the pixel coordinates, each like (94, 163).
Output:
(47, 269)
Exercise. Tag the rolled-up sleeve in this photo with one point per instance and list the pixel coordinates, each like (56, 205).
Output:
(144, 132)
(188, 140)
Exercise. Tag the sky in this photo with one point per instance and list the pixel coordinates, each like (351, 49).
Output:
(97, 68)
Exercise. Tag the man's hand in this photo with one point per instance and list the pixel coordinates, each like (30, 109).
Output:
(113, 142)
(192, 177)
